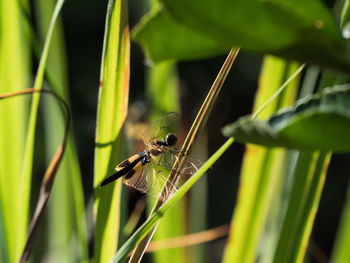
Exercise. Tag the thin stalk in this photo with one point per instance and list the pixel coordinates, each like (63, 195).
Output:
(198, 124)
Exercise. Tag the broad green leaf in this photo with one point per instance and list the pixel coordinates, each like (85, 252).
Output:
(301, 30)
(316, 122)
(111, 114)
(164, 38)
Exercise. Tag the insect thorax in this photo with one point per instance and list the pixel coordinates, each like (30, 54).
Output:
(155, 150)
(145, 157)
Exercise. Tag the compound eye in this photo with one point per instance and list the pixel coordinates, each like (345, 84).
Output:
(171, 139)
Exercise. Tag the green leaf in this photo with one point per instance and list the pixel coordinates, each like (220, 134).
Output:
(317, 122)
(111, 114)
(164, 38)
(162, 82)
(15, 75)
(309, 177)
(301, 30)
(341, 252)
(260, 184)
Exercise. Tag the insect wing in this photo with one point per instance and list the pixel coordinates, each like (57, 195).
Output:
(150, 179)
(169, 156)
(158, 128)
(137, 179)
(157, 175)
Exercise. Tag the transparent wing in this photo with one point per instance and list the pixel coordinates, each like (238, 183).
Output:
(158, 177)
(137, 180)
(151, 179)
(169, 156)
(158, 128)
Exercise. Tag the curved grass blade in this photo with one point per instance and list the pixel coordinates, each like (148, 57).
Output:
(111, 114)
(50, 173)
(153, 220)
(192, 135)
(25, 180)
(67, 195)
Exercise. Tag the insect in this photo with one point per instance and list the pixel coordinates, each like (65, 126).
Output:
(147, 171)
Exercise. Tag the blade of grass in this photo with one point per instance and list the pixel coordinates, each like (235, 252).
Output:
(311, 205)
(189, 239)
(111, 114)
(192, 135)
(153, 220)
(15, 74)
(258, 181)
(67, 193)
(50, 173)
(198, 205)
(310, 175)
(3, 245)
(25, 180)
(282, 161)
(163, 83)
(341, 252)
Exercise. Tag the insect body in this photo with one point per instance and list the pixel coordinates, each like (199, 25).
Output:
(147, 170)
(136, 163)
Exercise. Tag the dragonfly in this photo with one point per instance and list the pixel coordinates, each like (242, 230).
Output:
(148, 170)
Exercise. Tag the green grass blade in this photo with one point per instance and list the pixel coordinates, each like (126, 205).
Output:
(163, 83)
(15, 74)
(341, 252)
(309, 178)
(153, 220)
(258, 181)
(311, 205)
(198, 205)
(67, 193)
(24, 188)
(3, 244)
(111, 114)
